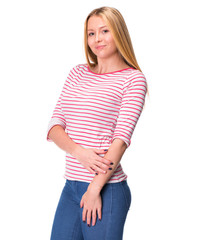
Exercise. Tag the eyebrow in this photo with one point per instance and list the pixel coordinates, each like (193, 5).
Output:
(100, 28)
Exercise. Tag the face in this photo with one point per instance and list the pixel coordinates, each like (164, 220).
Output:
(100, 39)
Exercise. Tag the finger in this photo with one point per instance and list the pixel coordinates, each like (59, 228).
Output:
(100, 151)
(84, 214)
(93, 218)
(99, 213)
(102, 166)
(98, 169)
(88, 217)
(81, 203)
(104, 160)
(91, 170)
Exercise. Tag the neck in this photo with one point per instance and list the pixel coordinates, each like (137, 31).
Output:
(111, 64)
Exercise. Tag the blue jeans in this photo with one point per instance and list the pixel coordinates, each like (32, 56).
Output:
(68, 223)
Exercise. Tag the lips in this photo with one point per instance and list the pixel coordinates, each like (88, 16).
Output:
(100, 47)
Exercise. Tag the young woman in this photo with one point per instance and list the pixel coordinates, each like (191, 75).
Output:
(93, 122)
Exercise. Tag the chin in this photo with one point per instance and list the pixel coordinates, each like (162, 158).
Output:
(105, 54)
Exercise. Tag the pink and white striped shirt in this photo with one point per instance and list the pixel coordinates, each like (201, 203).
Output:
(94, 109)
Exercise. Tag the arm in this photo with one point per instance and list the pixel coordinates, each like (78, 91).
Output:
(134, 92)
(58, 135)
(91, 200)
(114, 154)
(88, 157)
(131, 107)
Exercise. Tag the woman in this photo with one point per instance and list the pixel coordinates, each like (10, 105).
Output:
(93, 122)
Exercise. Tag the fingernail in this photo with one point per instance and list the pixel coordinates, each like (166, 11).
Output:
(105, 150)
(110, 168)
(88, 225)
(111, 163)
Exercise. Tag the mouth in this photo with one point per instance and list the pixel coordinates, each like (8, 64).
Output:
(100, 47)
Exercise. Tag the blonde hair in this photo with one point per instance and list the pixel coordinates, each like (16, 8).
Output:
(118, 28)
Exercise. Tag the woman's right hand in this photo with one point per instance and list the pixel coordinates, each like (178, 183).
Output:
(90, 159)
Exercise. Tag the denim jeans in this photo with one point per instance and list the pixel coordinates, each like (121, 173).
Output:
(68, 223)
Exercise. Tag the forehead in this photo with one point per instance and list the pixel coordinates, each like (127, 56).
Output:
(96, 22)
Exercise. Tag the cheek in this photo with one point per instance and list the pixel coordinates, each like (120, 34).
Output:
(89, 42)
(113, 46)
(111, 41)
(91, 45)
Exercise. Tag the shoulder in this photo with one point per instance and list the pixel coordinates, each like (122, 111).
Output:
(79, 68)
(136, 77)
(75, 71)
(135, 74)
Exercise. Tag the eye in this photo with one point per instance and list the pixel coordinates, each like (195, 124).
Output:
(105, 31)
(90, 34)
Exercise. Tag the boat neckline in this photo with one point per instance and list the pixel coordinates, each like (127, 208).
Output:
(110, 72)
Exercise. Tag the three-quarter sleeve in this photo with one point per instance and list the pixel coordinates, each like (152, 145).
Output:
(57, 118)
(134, 92)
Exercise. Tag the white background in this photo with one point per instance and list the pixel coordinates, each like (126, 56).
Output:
(40, 42)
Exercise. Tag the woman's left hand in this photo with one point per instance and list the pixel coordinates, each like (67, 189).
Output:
(92, 204)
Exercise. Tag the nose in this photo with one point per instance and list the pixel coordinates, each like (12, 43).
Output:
(97, 37)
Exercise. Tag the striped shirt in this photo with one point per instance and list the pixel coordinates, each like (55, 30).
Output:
(94, 109)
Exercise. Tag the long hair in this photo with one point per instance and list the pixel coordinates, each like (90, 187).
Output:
(119, 31)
